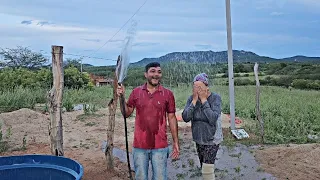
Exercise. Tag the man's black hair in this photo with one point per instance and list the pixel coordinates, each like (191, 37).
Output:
(152, 64)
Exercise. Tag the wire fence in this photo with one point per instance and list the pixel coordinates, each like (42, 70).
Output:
(90, 56)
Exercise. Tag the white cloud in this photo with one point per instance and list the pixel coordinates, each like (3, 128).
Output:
(276, 13)
(42, 26)
(92, 40)
(163, 26)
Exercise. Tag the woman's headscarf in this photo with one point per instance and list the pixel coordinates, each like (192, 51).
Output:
(203, 77)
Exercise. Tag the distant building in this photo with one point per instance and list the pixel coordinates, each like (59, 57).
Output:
(100, 80)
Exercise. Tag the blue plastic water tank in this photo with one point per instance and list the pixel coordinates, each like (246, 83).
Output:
(39, 167)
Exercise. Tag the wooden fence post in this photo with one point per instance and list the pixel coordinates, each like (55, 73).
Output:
(110, 129)
(55, 96)
(258, 113)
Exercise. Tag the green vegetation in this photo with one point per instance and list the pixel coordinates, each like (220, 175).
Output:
(290, 114)
(191, 162)
(18, 98)
(42, 78)
(237, 169)
(3, 139)
(181, 176)
(295, 75)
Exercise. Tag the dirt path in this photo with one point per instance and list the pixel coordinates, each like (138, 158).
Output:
(82, 139)
(294, 162)
(84, 136)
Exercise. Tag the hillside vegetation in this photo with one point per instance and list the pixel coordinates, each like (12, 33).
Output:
(222, 57)
(295, 75)
(289, 92)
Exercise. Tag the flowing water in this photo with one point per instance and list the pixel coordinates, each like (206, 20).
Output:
(125, 53)
(237, 163)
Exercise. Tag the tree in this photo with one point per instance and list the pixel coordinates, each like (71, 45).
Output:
(21, 57)
(70, 62)
(75, 79)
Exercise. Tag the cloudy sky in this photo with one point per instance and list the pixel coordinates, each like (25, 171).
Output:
(275, 28)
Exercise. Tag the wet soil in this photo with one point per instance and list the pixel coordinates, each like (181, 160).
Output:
(84, 136)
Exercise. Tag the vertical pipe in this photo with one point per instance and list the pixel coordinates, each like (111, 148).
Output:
(230, 65)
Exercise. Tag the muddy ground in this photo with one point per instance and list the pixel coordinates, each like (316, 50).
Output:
(84, 136)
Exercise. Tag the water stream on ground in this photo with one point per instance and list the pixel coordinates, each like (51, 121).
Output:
(232, 164)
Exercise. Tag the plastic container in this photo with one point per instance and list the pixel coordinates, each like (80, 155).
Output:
(39, 167)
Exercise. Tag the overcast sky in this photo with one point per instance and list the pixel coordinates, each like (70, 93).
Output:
(275, 28)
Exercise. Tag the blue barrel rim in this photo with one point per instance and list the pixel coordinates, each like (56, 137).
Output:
(45, 166)
(60, 168)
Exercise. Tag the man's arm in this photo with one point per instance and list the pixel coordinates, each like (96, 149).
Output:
(173, 124)
(212, 110)
(129, 106)
(128, 109)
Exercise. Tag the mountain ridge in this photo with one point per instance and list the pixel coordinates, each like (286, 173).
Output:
(239, 56)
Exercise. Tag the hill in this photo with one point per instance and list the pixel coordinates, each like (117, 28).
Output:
(302, 59)
(239, 56)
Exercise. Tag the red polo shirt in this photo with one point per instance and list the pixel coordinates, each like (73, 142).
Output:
(151, 114)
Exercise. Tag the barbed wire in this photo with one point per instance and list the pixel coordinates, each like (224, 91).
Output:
(69, 54)
(107, 59)
(90, 55)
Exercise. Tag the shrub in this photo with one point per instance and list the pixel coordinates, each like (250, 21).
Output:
(243, 82)
(306, 84)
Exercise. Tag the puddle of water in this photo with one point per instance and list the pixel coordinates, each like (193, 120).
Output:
(122, 155)
(79, 107)
(119, 153)
(236, 163)
(239, 163)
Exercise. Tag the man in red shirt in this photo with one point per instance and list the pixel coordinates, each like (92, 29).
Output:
(154, 104)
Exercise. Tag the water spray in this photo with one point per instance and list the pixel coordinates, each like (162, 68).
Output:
(121, 73)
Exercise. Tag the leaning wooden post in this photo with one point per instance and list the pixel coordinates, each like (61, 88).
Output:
(258, 113)
(55, 102)
(110, 130)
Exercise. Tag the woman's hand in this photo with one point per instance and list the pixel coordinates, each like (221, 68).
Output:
(203, 94)
(195, 94)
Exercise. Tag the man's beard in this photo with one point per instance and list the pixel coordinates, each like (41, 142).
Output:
(152, 84)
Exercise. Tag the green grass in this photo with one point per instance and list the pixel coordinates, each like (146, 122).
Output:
(3, 141)
(21, 98)
(289, 115)
(191, 162)
(100, 96)
(181, 176)
(28, 98)
(237, 169)
(223, 81)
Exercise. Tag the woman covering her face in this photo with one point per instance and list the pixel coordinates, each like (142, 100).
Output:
(203, 109)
